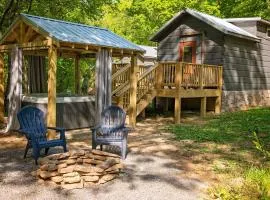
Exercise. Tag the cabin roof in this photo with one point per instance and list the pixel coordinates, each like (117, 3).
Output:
(64, 31)
(218, 23)
(150, 52)
(247, 19)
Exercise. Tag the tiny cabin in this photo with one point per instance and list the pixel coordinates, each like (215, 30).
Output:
(240, 45)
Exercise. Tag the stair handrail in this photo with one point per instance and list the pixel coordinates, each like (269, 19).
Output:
(148, 80)
(121, 71)
(147, 72)
(122, 75)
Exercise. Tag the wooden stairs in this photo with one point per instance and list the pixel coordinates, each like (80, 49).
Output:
(145, 88)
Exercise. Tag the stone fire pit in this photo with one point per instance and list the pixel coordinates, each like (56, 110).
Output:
(78, 169)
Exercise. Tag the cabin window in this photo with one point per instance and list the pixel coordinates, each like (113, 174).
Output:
(188, 52)
(187, 57)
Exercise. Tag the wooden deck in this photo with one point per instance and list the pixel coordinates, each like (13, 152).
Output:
(172, 80)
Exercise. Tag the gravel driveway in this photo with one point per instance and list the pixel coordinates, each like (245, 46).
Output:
(152, 172)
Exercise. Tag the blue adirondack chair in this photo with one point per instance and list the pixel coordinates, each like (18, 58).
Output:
(112, 130)
(32, 125)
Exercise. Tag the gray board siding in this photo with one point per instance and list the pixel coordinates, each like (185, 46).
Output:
(247, 63)
(249, 26)
(212, 52)
(243, 65)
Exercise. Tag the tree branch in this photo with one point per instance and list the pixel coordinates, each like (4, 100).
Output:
(7, 9)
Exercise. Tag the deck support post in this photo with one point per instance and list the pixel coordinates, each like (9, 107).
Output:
(166, 104)
(143, 114)
(51, 114)
(77, 75)
(133, 91)
(203, 106)
(2, 94)
(218, 104)
(177, 110)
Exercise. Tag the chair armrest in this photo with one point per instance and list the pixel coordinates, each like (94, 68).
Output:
(95, 128)
(22, 131)
(60, 130)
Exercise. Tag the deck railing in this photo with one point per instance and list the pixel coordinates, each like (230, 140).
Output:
(188, 75)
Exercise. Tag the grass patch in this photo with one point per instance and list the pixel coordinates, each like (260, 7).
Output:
(227, 128)
(229, 140)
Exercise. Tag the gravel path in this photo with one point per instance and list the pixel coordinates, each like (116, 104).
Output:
(151, 172)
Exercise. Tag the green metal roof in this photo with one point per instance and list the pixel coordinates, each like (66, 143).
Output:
(80, 33)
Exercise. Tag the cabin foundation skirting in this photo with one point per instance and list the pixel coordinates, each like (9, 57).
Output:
(242, 100)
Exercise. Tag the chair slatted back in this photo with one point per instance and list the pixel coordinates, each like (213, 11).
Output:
(113, 117)
(31, 121)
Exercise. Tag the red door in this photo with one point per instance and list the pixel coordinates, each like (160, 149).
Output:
(188, 52)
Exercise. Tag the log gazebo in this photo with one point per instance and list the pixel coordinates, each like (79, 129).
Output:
(44, 37)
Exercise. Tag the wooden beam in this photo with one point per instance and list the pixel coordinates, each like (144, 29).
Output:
(25, 86)
(28, 35)
(133, 91)
(77, 75)
(203, 106)
(2, 93)
(189, 93)
(51, 115)
(22, 32)
(177, 110)
(28, 46)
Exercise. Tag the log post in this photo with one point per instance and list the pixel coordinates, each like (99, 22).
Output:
(51, 114)
(2, 93)
(203, 106)
(177, 110)
(133, 91)
(77, 75)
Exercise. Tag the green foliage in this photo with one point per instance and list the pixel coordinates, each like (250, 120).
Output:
(259, 178)
(247, 8)
(71, 10)
(137, 20)
(255, 184)
(66, 78)
(260, 146)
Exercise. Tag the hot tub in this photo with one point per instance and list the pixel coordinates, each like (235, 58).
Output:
(72, 112)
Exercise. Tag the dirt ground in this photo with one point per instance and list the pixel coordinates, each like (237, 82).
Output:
(157, 167)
